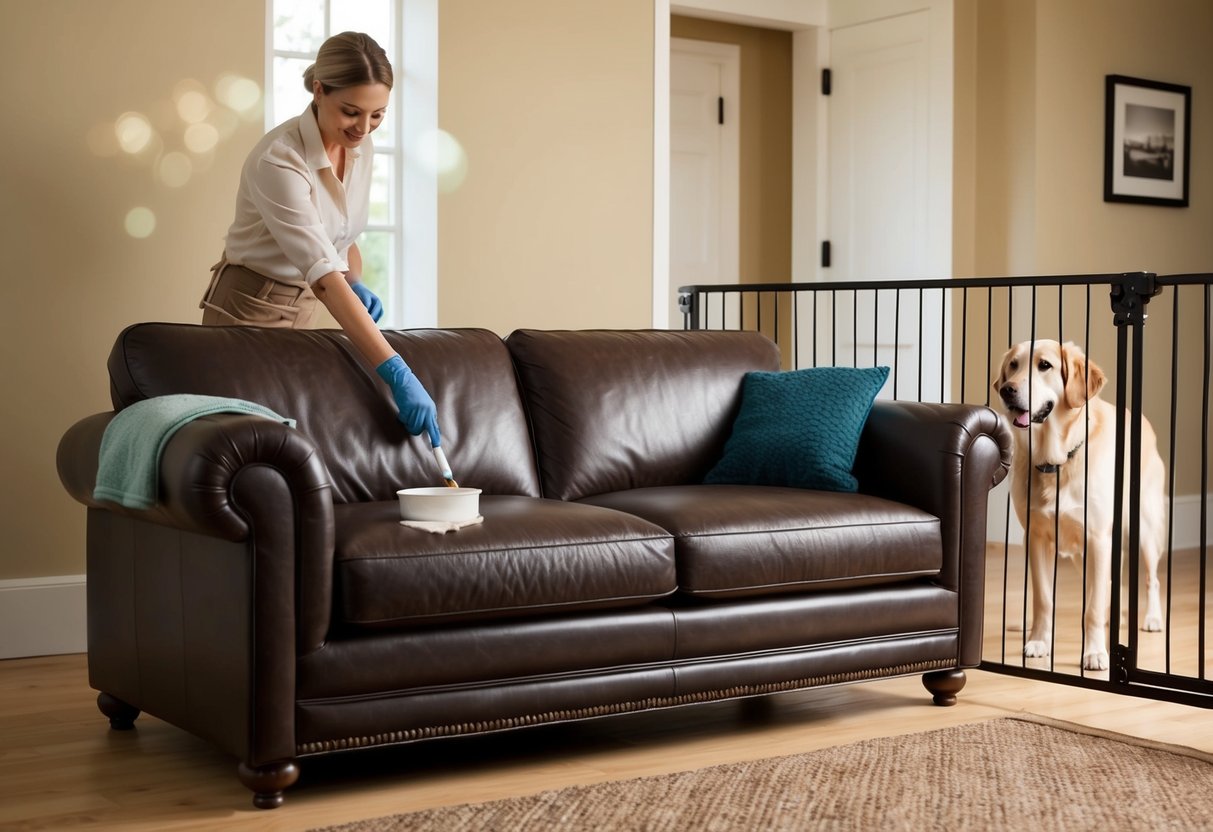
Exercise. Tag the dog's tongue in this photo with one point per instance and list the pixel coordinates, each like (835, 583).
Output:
(1023, 419)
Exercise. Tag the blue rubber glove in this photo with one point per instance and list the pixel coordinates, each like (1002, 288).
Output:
(417, 410)
(369, 299)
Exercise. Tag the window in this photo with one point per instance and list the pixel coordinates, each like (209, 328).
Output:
(297, 29)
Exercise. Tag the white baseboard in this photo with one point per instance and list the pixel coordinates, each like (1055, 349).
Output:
(42, 616)
(1185, 519)
(1185, 516)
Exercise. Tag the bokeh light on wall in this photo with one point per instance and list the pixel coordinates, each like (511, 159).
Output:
(140, 222)
(174, 169)
(193, 106)
(176, 137)
(441, 153)
(134, 132)
(201, 137)
(237, 93)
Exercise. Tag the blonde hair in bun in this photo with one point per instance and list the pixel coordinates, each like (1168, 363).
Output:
(349, 59)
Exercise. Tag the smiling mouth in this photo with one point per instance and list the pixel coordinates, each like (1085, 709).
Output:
(1021, 418)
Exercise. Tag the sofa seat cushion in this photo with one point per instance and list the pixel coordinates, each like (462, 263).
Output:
(529, 557)
(748, 540)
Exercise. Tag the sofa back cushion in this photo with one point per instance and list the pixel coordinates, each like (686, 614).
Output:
(317, 378)
(613, 410)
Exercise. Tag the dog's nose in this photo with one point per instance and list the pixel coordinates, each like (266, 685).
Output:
(1008, 392)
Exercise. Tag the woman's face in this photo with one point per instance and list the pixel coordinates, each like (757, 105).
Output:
(346, 116)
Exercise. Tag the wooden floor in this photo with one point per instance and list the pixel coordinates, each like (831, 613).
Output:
(1177, 649)
(61, 767)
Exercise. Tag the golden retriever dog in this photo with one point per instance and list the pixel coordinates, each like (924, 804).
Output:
(1062, 479)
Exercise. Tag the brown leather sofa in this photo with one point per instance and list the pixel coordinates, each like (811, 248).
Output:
(271, 603)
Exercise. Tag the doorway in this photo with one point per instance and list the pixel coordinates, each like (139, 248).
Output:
(812, 26)
(737, 228)
(705, 81)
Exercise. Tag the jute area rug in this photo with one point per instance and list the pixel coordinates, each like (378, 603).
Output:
(1009, 773)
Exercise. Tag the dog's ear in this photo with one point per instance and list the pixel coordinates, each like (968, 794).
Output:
(1000, 378)
(1084, 379)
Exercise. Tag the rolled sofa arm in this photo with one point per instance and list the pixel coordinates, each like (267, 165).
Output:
(236, 477)
(943, 459)
(904, 445)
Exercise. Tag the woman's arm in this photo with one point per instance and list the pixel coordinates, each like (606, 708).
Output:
(335, 293)
(416, 409)
(354, 258)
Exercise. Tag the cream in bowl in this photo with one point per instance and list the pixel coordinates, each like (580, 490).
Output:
(439, 503)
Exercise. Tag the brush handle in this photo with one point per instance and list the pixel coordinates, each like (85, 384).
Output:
(442, 463)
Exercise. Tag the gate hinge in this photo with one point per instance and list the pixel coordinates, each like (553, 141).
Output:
(825, 254)
(1130, 295)
(1119, 671)
(826, 81)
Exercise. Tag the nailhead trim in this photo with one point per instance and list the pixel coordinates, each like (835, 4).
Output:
(458, 729)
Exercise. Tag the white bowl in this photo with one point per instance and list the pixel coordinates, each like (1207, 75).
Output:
(439, 503)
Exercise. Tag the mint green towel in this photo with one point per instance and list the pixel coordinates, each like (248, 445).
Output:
(128, 464)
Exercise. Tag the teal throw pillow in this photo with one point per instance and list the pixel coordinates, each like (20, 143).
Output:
(800, 428)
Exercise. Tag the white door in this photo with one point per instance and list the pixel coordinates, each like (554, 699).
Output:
(704, 165)
(881, 202)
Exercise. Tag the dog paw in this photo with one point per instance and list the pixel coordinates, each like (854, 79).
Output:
(1035, 649)
(1095, 660)
(1152, 624)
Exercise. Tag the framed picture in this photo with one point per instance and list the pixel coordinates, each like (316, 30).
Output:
(1146, 142)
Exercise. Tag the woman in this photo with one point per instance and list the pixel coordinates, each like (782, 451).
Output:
(303, 200)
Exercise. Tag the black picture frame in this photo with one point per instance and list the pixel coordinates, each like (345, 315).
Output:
(1147, 142)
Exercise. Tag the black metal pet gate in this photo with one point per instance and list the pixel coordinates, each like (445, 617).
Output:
(944, 340)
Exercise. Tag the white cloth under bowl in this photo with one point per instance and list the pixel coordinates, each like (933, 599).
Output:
(441, 526)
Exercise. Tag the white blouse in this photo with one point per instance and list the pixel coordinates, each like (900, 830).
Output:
(295, 221)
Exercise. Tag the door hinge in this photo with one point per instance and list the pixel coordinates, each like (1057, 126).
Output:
(825, 254)
(826, 81)
(720, 110)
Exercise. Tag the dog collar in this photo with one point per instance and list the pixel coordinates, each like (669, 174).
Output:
(1050, 468)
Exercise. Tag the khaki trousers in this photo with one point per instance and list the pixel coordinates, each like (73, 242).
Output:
(241, 297)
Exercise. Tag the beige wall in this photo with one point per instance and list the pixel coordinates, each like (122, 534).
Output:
(765, 198)
(74, 278)
(1038, 111)
(1078, 42)
(553, 103)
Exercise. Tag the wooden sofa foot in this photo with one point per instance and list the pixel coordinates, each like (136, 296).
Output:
(121, 715)
(268, 782)
(944, 685)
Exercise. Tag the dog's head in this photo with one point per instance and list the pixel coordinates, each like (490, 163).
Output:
(1040, 377)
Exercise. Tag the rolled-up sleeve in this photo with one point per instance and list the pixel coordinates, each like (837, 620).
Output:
(283, 196)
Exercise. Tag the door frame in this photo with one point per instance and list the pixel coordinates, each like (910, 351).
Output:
(810, 22)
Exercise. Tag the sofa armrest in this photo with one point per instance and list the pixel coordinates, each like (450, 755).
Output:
(930, 445)
(944, 459)
(239, 478)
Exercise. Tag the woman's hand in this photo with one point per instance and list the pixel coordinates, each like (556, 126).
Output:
(417, 410)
